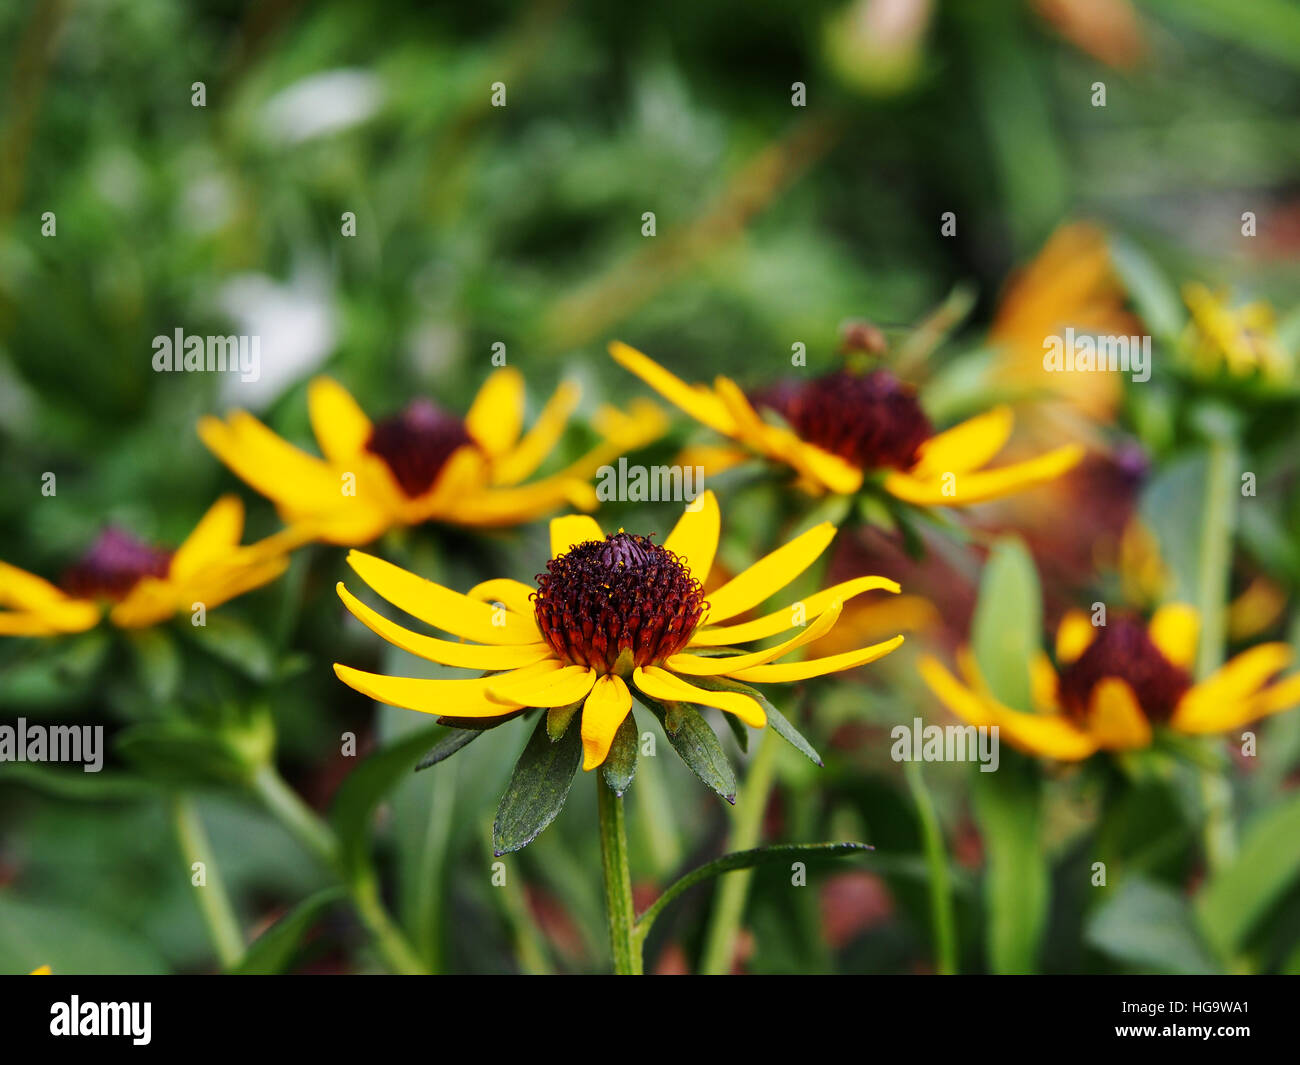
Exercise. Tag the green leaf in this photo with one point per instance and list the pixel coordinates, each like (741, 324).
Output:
(1006, 631)
(778, 853)
(238, 645)
(776, 720)
(620, 765)
(1008, 806)
(480, 724)
(1154, 297)
(76, 784)
(71, 940)
(697, 743)
(273, 951)
(157, 662)
(1151, 928)
(1237, 898)
(447, 746)
(365, 787)
(181, 752)
(537, 788)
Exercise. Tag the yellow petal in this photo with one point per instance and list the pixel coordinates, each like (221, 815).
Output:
(497, 414)
(514, 506)
(966, 703)
(836, 474)
(44, 970)
(341, 427)
(571, 530)
(697, 666)
(22, 623)
(214, 537)
(699, 402)
(1115, 720)
(782, 672)
(788, 617)
(964, 447)
(769, 575)
(602, 714)
(1174, 629)
(151, 601)
(277, 469)
(20, 588)
(516, 595)
(695, 536)
(1219, 697)
(441, 607)
(660, 684)
(461, 655)
(1074, 636)
(966, 489)
(564, 686)
(1043, 684)
(453, 698)
(523, 460)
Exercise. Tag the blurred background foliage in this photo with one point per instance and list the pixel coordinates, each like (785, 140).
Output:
(523, 225)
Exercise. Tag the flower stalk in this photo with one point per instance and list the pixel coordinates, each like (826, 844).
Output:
(623, 938)
(213, 900)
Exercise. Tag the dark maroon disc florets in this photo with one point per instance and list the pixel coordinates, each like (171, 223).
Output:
(417, 443)
(621, 594)
(115, 563)
(1123, 649)
(871, 420)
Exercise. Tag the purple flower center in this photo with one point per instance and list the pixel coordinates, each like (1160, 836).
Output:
(417, 443)
(115, 563)
(1123, 649)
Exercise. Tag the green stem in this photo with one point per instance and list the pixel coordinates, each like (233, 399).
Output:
(729, 910)
(1214, 571)
(314, 834)
(623, 938)
(213, 900)
(942, 919)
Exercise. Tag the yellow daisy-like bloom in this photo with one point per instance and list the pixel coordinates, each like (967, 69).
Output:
(1112, 684)
(1241, 340)
(423, 464)
(612, 613)
(844, 426)
(141, 585)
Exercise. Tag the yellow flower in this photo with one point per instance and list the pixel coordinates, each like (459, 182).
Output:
(1113, 683)
(144, 584)
(611, 613)
(422, 464)
(44, 970)
(1241, 340)
(844, 426)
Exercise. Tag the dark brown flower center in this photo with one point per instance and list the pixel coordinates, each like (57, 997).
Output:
(417, 443)
(871, 420)
(115, 563)
(1123, 649)
(617, 603)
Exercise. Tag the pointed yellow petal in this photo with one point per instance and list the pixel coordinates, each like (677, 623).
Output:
(214, 537)
(73, 615)
(341, 427)
(441, 607)
(695, 536)
(836, 474)
(23, 589)
(1074, 636)
(453, 698)
(150, 602)
(1220, 697)
(768, 575)
(967, 704)
(572, 529)
(782, 672)
(521, 462)
(964, 447)
(1115, 720)
(981, 486)
(498, 507)
(788, 617)
(699, 402)
(660, 684)
(1044, 684)
(564, 686)
(497, 414)
(461, 655)
(277, 469)
(1174, 629)
(696, 666)
(516, 595)
(602, 714)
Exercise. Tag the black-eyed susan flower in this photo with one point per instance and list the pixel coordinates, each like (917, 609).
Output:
(1239, 341)
(612, 617)
(834, 431)
(423, 463)
(140, 584)
(1113, 685)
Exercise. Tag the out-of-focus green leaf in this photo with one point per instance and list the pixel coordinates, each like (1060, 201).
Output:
(76, 784)
(229, 640)
(273, 951)
(1006, 631)
(69, 940)
(1008, 806)
(537, 789)
(1153, 295)
(1151, 928)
